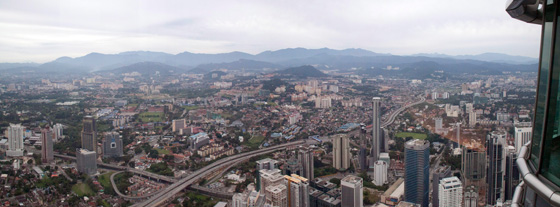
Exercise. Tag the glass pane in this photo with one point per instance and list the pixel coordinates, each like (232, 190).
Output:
(551, 154)
(543, 84)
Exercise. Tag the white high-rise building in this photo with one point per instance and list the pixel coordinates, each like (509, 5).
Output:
(15, 140)
(58, 130)
(380, 173)
(522, 136)
(439, 124)
(277, 195)
(341, 152)
(352, 191)
(472, 118)
(434, 95)
(450, 192)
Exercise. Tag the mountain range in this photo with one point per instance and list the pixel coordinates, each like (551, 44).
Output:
(268, 61)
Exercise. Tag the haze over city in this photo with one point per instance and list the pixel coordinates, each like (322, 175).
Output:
(39, 31)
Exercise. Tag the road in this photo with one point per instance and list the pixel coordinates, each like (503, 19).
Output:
(393, 115)
(163, 195)
(123, 168)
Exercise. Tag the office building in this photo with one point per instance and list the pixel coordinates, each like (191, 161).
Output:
(89, 134)
(86, 161)
(376, 130)
(341, 152)
(437, 175)
(198, 140)
(112, 145)
(495, 151)
(380, 173)
(306, 160)
(450, 192)
(267, 164)
(15, 140)
(298, 191)
(58, 130)
(511, 177)
(47, 155)
(417, 172)
(538, 160)
(473, 165)
(352, 191)
(522, 136)
(264, 164)
(177, 125)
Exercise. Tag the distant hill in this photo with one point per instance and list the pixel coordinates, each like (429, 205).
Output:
(240, 65)
(324, 59)
(306, 71)
(488, 57)
(146, 69)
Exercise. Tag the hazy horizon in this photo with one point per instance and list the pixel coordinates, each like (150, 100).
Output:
(43, 31)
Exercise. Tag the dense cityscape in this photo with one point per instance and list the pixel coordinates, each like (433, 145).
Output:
(291, 137)
(279, 104)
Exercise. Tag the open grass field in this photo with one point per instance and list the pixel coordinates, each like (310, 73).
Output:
(151, 117)
(162, 151)
(82, 189)
(254, 142)
(411, 134)
(105, 179)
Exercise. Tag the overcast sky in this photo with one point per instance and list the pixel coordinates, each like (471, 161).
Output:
(41, 31)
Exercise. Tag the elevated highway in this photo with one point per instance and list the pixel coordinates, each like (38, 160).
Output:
(162, 196)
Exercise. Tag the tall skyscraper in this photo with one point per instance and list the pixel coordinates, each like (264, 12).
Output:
(341, 152)
(417, 172)
(112, 145)
(522, 136)
(539, 161)
(376, 130)
(511, 177)
(89, 134)
(15, 140)
(47, 155)
(450, 192)
(306, 159)
(352, 191)
(437, 175)
(86, 161)
(495, 151)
